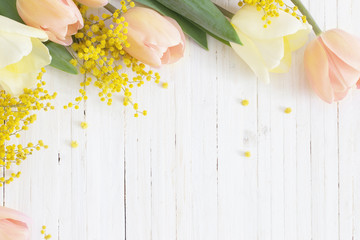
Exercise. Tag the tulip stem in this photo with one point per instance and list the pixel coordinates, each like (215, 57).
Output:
(317, 30)
(110, 8)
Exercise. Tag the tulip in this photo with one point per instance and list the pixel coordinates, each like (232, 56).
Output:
(268, 49)
(58, 18)
(94, 3)
(22, 55)
(332, 64)
(153, 39)
(14, 225)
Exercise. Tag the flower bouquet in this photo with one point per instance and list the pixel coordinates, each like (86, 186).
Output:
(123, 48)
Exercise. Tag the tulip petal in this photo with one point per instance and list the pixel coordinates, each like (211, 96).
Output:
(8, 25)
(250, 54)
(285, 62)
(339, 88)
(54, 14)
(248, 20)
(154, 28)
(13, 214)
(93, 3)
(317, 70)
(13, 230)
(272, 51)
(165, 59)
(299, 39)
(342, 44)
(144, 53)
(346, 76)
(51, 16)
(14, 47)
(38, 58)
(176, 52)
(14, 83)
(153, 39)
(336, 80)
(338, 96)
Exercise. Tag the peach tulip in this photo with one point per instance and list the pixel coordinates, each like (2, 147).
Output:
(153, 38)
(58, 18)
(94, 3)
(332, 64)
(14, 225)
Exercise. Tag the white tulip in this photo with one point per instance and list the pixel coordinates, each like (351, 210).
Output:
(22, 55)
(268, 49)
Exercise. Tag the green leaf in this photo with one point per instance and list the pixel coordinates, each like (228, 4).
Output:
(193, 31)
(224, 11)
(219, 39)
(61, 58)
(8, 9)
(206, 14)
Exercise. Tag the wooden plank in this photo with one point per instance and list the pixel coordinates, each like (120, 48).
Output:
(237, 134)
(104, 169)
(347, 125)
(317, 157)
(289, 100)
(303, 150)
(204, 152)
(331, 147)
(276, 124)
(264, 161)
(351, 114)
(355, 148)
(161, 115)
(183, 139)
(138, 172)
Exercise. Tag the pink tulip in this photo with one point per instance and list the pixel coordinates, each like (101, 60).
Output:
(14, 225)
(94, 3)
(58, 18)
(154, 39)
(332, 64)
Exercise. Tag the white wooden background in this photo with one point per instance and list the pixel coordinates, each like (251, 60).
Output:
(180, 173)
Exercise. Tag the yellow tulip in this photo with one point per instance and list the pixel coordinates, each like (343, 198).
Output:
(268, 49)
(22, 55)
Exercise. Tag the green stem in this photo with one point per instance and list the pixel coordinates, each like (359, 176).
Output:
(110, 8)
(317, 30)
